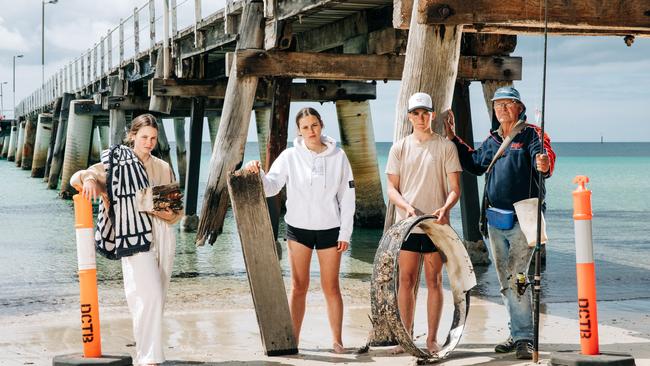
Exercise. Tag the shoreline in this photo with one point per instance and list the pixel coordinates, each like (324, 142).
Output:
(210, 324)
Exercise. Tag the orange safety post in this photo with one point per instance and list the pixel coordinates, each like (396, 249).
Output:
(585, 270)
(90, 335)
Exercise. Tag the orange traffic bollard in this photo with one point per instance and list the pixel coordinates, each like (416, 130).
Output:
(90, 335)
(585, 270)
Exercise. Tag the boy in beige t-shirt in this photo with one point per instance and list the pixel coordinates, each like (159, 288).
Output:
(423, 178)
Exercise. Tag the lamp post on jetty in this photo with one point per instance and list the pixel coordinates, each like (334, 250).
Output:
(2, 100)
(43, 2)
(14, 84)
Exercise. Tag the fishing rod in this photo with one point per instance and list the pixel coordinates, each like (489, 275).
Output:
(540, 199)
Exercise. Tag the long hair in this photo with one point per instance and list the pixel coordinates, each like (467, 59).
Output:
(143, 120)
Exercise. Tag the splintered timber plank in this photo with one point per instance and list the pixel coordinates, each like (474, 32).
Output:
(264, 273)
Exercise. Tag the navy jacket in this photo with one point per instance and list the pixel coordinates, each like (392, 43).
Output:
(513, 176)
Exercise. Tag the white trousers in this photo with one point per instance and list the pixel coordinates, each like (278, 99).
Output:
(146, 280)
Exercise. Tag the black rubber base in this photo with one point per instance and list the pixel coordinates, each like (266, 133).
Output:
(575, 358)
(282, 352)
(78, 359)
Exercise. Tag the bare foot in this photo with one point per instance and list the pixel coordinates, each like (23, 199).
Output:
(433, 347)
(397, 350)
(338, 348)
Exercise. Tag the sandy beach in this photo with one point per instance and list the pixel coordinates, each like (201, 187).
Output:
(213, 322)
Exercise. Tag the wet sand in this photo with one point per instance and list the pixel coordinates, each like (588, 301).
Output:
(212, 322)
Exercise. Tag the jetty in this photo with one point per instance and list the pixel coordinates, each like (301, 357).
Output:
(259, 56)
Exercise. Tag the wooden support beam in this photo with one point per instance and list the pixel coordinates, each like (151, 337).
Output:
(231, 139)
(326, 66)
(479, 44)
(469, 201)
(126, 103)
(387, 40)
(580, 14)
(116, 117)
(210, 88)
(28, 143)
(332, 35)
(302, 92)
(158, 103)
(300, 8)
(59, 144)
(88, 109)
(181, 151)
(276, 143)
(264, 272)
(190, 221)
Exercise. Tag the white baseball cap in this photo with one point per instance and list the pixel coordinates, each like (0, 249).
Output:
(420, 100)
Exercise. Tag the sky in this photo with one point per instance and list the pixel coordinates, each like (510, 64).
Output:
(596, 86)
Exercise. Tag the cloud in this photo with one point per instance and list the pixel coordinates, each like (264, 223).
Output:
(12, 40)
(78, 36)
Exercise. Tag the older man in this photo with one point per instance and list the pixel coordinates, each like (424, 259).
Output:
(512, 178)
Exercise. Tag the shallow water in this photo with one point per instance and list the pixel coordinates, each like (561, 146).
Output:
(38, 256)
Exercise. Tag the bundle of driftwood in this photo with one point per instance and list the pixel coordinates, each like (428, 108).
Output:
(167, 196)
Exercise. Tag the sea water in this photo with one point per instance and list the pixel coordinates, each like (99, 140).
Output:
(38, 268)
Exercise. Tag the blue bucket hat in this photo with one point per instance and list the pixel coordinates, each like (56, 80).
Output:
(508, 92)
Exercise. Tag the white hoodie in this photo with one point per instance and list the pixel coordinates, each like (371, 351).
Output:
(320, 187)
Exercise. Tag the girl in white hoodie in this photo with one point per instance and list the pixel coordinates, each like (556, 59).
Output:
(320, 214)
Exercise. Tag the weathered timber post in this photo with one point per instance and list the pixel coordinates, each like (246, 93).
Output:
(19, 144)
(28, 144)
(179, 132)
(213, 128)
(162, 148)
(190, 222)
(279, 123)
(431, 66)
(358, 142)
(158, 103)
(59, 144)
(231, 139)
(276, 142)
(5, 145)
(50, 146)
(95, 147)
(104, 136)
(262, 122)
(13, 139)
(116, 117)
(469, 199)
(264, 272)
(42, 141)
(77, 147)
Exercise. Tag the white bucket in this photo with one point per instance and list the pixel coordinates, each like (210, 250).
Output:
(527, 216)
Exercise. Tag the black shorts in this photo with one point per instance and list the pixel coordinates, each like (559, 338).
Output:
(314, 239)
(420, 243)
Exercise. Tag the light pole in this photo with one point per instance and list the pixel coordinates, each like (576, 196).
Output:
(2, 100)
(14, 85)
(43, 2)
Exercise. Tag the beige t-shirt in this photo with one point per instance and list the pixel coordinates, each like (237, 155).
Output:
(422, 169)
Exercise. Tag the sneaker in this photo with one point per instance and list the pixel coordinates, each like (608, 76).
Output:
(505, 347)
(524, 350)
